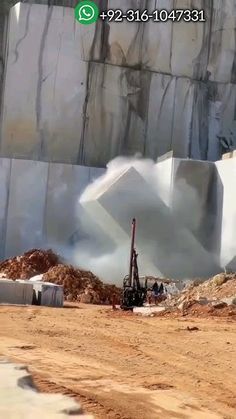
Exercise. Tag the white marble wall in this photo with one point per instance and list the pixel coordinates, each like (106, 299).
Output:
(84, 94)
(45, 85)
(227, 181)
(39, 208)
(39, 204)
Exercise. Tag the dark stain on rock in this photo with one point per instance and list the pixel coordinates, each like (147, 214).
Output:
(217, 28)
(200, 122)
(38, 102)
(24, 36)
(233, 73)
(201, 61)
(136, 108)
(100, 45)
(98, 52)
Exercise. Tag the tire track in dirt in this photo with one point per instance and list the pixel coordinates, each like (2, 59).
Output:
(89, 403)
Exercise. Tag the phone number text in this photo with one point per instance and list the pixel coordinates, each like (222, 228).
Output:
(163, 15)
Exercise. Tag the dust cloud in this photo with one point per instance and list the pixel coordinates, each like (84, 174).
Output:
(167, 238)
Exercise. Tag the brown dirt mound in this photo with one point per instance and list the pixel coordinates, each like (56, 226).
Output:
(194, 308)
(31, 263)
(81, 285)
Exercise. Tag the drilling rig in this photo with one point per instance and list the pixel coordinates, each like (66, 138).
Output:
(134, 295)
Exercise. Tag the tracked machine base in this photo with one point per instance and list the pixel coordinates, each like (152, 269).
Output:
(134, 295)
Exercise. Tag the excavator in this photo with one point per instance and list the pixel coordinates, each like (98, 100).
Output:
(134, 294)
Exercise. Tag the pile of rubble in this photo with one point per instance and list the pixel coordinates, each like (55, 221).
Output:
(81, 285)
(31, 263)
(214, 297)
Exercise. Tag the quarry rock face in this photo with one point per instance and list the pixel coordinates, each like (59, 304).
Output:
(75, 96)
(90, 93)
(37, 198)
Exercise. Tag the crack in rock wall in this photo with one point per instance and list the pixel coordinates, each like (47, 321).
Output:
(85, 94)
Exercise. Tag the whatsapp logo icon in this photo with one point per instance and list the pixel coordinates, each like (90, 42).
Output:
(86, 12)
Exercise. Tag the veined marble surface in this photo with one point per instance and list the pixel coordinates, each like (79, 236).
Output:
(192, 202)
(85, 94)
(39, 204)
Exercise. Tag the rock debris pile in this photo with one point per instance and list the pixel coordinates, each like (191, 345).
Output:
(31, 263)
(79, 285)
(214, 297)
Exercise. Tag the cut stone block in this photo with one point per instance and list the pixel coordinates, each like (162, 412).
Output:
(14, 292)
(148, 311)
(19, 398)
(47, 294)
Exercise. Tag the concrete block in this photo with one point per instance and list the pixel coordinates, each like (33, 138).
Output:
(19, 398)
(47, 294)
(15, 292)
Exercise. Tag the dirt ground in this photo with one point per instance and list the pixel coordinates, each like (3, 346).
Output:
(124, 366)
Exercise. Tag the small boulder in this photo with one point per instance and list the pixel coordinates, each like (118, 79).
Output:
(218, 304)
(230, 301)
(203, 301)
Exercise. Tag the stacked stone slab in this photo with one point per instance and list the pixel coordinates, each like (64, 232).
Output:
(22, 292)
(12, 292)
